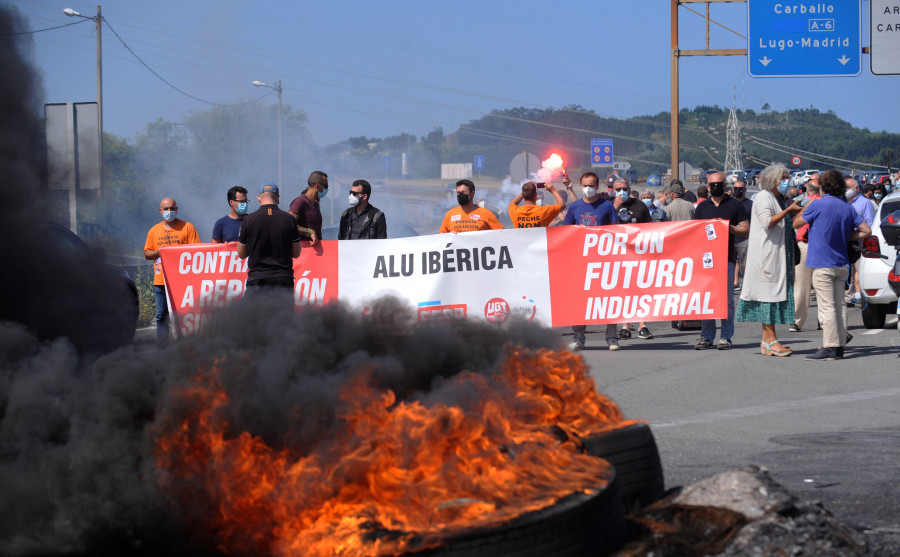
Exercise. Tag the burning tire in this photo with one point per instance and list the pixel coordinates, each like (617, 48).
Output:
(633, 453)
(577, 525)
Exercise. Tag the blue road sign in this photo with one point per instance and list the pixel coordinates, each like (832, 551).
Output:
(479, 162)
(386, 162)
(602, 152)
(803, 39)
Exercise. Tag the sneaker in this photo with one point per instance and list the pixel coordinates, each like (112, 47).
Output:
(839, 351)
(825, 355)
(645, 333)
(624, 333)
(575, 347)
(724, 344)
(703, 344)
(794, 329)
(613, 343)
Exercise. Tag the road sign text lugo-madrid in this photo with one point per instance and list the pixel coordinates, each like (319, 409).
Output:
(794, 39)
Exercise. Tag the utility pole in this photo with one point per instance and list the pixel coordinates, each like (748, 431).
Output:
(733, 139)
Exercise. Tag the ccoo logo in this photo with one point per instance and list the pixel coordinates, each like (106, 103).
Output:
(496, 310)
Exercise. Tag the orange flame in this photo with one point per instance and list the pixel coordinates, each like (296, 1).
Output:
(551, 169)
(401, 475)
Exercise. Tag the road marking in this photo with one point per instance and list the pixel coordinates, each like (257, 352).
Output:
(872, 332)
(779, 407)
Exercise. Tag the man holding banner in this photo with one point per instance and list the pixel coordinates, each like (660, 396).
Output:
(721, 206)
(468, 217)
(591, 210)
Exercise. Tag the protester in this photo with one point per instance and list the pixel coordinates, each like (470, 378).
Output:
(720, 206)
(227, 228)
(531, 215)
(833, 225)
(170, 232)
(740, 244)
(631, 211)
(679, 208)
(591, 210)
(305, 207)
(655, 206)
(802, 273)
(702, 194)
(866, 211)
(768, 293)
(878, 193)
(468, 217)
(362, 220)
(270, 238)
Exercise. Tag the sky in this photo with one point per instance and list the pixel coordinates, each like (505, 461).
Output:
(380, 69)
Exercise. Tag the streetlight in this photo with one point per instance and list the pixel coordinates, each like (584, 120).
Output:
(98, 19)
(277, 88)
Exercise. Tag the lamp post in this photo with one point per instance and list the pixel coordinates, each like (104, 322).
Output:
(277, 88)
(98, 20)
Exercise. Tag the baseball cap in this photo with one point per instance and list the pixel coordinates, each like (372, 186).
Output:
(268, 187)
(677, 189)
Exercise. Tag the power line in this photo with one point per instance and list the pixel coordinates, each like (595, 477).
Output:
(45, 29)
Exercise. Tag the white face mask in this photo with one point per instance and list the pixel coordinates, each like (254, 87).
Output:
(850, 194)
(169, 216)
(589, 191)
(353, 200)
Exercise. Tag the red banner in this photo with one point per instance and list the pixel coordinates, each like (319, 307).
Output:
(638, 272)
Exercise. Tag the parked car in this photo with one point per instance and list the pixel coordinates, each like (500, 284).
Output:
(880, 299)
(56, 285)
(732, 176)
(704, 176)
(880, 178)
(796, 178)
(749, 175)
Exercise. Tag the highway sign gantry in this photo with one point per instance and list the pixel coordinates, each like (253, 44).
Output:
(803, 39)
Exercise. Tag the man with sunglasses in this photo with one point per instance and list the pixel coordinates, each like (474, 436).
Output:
(631, 211)
(305, 208)
(362, 220)
(721, 206)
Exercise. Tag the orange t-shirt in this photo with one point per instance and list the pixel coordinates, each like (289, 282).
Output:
(180, 232)
(457, 220)
(533, 216)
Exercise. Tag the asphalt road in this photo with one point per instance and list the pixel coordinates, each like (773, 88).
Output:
(828, 431)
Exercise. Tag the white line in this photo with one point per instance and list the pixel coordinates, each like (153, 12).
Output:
(779, 407)
(872, 332)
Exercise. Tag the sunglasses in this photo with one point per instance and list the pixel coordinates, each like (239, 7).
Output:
(356, 193)
(711, 184)
(621, 189)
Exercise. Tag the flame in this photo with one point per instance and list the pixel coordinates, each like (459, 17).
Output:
(551, 169)
(400, 475)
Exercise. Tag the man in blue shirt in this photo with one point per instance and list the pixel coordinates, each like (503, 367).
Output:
(865, 209)
(228, 227)
(593, 209)
(832, 225)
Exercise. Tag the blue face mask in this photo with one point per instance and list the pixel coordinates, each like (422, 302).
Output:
(323, 193)
(648, 202)
(622, 194)
(169, 216)
(783, 186)
(877, 196)
(241, 208)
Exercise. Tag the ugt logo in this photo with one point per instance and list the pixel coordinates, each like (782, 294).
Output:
(496, 310)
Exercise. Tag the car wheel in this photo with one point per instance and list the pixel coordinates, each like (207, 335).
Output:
(873, 315)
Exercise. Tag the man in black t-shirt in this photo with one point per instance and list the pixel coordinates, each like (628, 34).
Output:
(270, 238)
(721, 206)
(631, 211)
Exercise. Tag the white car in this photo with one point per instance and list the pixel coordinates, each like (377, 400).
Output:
(804, 176)
(879, 300)
(796, 177)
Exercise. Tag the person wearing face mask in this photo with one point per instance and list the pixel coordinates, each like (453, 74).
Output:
(802, 273)
(170, 232)
(362, 220)
(740, 244)
(594, 209)
(878, 193)
(655, 206)
(468, 217)
(866, 211)
(305, 207)
(633, 211)
(228, 227)
(720, 206)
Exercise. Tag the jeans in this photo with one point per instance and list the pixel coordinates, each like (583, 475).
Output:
(580, 330)
(162, 315)
(708, 326)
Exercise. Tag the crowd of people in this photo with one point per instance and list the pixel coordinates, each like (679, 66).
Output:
(783, 242)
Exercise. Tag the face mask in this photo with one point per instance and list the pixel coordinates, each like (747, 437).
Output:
(877, 196)
(241, 208)
(169, 216)
(589, 191)
(323, 193)
(783, 186)
(622, 194)
(648, 202)
(849, 194)
(353, 200)
(717, 190)
(739, 192)
(463, 199)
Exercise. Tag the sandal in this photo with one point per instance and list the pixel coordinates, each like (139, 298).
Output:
(766, 349)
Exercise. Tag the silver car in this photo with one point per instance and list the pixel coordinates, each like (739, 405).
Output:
(880, 300)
